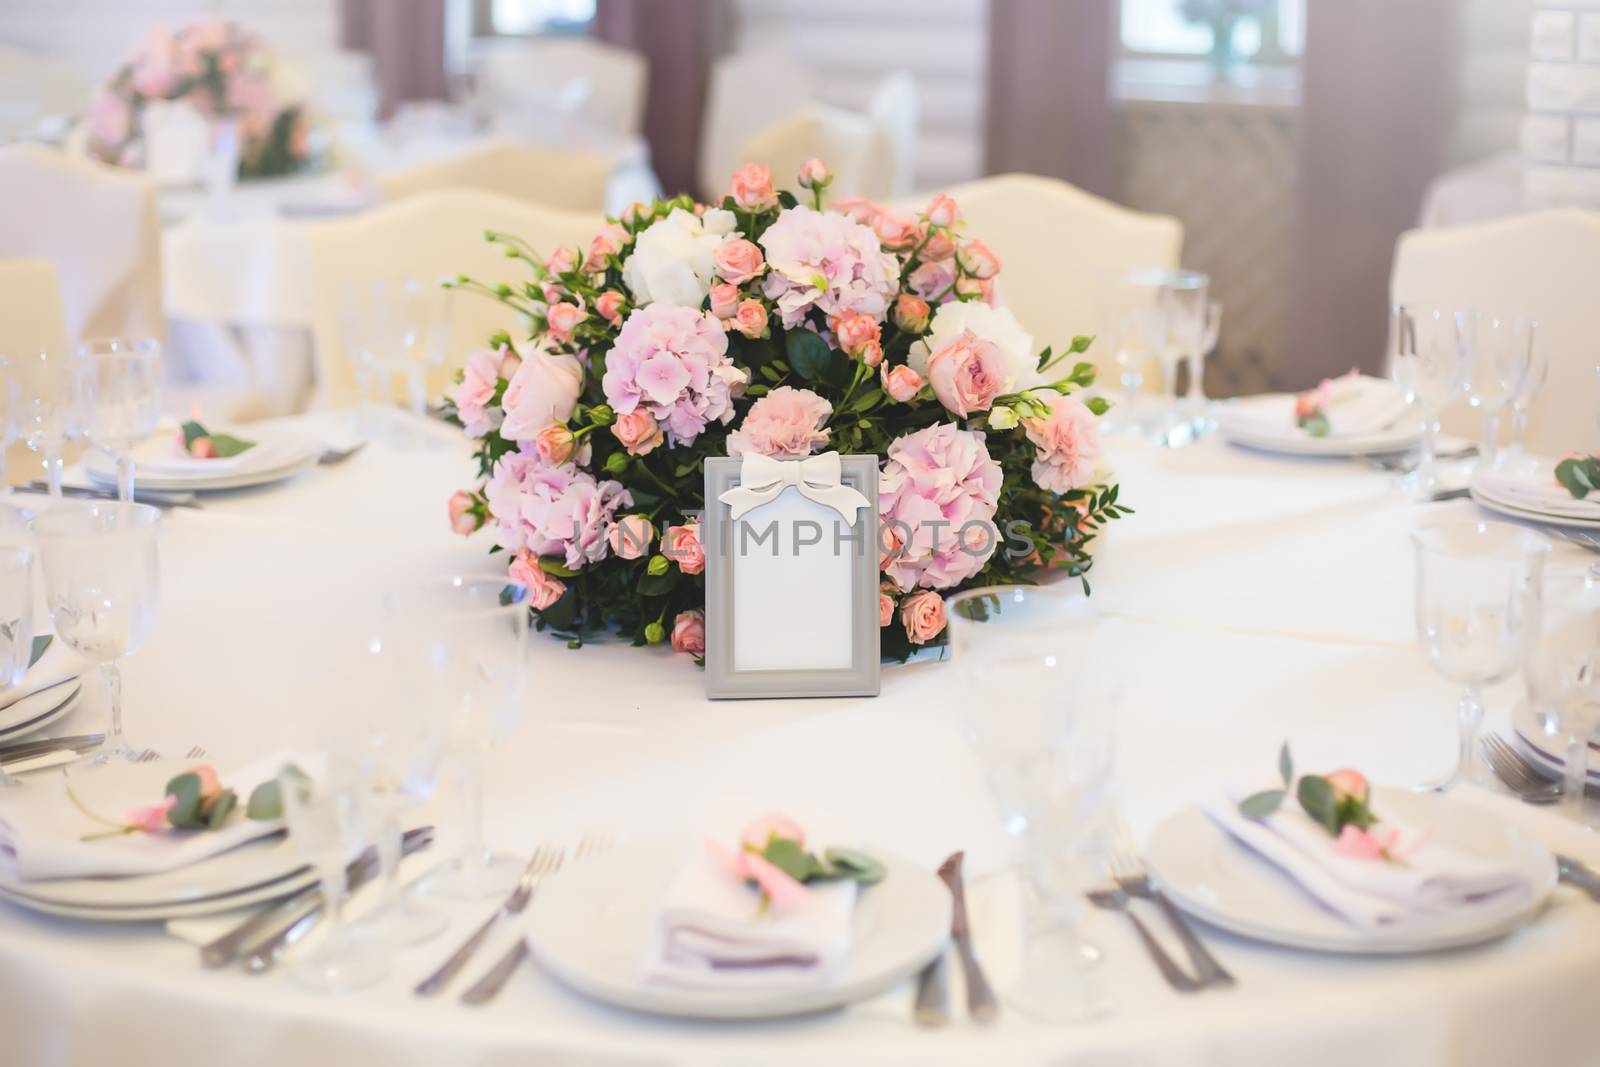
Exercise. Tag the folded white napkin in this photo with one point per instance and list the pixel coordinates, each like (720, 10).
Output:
(709, 935)
(1358, 406)
(1433, 884)
(41, 830)
(1538, 492)
(58, 664)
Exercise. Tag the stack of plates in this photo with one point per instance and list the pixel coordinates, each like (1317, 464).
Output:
(1536, 496)
(1266, 423)
(158, 464)
(38, 710)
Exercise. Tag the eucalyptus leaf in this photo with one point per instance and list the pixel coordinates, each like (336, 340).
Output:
(1286, 765)
(786, 854)
(1260, 805)
(266, 799)
(185, 810)
(221, 808)
(856, 866)
(1316, 798)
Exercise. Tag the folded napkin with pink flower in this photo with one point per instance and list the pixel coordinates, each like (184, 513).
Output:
(1567, 496)
(765, 915)
(1352, 405)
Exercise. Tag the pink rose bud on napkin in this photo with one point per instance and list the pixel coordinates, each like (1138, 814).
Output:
(751, 318)
(543, 589)
(751, 188)
(210, 785)
(630, 536)
(911, 313)
(689, 633)
(724, 300)
(462, 519)
(638, 432)
(942, 211)
(561, 261)
(814, 174)
(152, 819)
(1351, 784)
(855, 331)
(203, 448)
(563, 319)
(609, 306)
(977, 260)
(738, 260)
(760, 831)
(923, 615)
(555, 444)
(682, 545)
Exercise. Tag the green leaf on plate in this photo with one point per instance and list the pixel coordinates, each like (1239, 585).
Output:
(221, 808)
(856, 866)
(786, 854)
(1316, 797)
(1286, 765)
(185, 811)
(1260, 805)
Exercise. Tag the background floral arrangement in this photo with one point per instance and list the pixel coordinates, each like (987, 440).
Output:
(221, 71)
(772, 326)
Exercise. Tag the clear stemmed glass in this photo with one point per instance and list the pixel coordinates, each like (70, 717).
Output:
(11, 398)
(1200, 421)
(418, 338)
(1501, 347)
(461, 643)
(325, 821)
(16, 622)
(49, 409)
(1563, 675)
(1477, 602)
(1047, 752)
(362, 317)
(1428, 359)
(1185, 308)
(102, 582)
(1533, 383)
(122, 397)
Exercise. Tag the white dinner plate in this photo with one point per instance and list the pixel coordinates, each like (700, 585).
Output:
(1237, 426)
(276, 890)
(1486, 497)
(589, 926)
(281, 456)
(22, 715)
(64, 696)
(1544, 749)
(1212, 877)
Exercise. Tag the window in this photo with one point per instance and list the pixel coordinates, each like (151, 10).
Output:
(524, 18)
(1260, 31)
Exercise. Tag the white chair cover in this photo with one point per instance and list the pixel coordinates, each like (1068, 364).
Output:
(855, 147)
(1546, 265)
(98, 225)
(431, 236)
(894, 109)
(746, 90)
(31, 319)
(550, 177)
(595, 88)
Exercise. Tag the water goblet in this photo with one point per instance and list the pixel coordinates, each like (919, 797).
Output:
(1200, 421)
(1501, 353)
(49, 408)
(122, 398)
(16, 622)
(1563, 676)
(461, 643)
(1513, 456)
(362, 324)
(1428, 359)
(1477, 605)
(102, 580)
(1047, 753)
(417, 336)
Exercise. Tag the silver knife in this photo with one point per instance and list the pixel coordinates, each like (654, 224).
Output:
(931, 1007)
(1579, 876)
(158, 497)
(266, 954)
(36, 746)
(981, 1002)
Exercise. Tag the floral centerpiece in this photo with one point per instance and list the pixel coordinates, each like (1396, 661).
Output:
(775, 324)
(225, 74)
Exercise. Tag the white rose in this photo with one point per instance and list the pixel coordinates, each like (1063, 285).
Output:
(996, 325)
(717, 221)
(673, 260)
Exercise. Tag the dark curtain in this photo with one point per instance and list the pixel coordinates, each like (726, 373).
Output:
(1049, 109)
(1379, 102)
(406, 39)
(677, 38)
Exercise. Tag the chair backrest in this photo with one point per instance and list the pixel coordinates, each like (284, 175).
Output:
(1545, 264)
(549, 177)
(35, 86)
(855, 148)
(1063, 252)
(428, 237)
(894, 108)
(31, 319)
(100, 227)
(746, 89)
(612, 80)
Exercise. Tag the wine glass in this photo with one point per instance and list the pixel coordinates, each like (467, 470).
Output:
(1563, 675)
(16, 622)
(1533, 383)
(1184, 308)
(417, 336)
(1501, 351)
(1477, 604)
(1428, 359)
(1047, 752)
(460, 644)
(361, 327)
(1200, 422)
(102, 580)
(49, 409)
(325, 821)
(122, 398)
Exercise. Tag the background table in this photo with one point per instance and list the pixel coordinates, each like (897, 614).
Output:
(1270, 598)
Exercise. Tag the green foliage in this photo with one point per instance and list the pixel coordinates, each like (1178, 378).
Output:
(1579, 474)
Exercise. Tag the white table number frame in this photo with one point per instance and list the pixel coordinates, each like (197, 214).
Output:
(788, 615)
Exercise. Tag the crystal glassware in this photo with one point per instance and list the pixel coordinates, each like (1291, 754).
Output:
(49, 407)
(361, 327)
(1185, 309)
(1563, 677)
(16, 622)
(122, 398)
(461, 642)
(417, 339)
(1501, 350)
(1200, 420)
(1428, 359)
(102, 583)
(1047, 752)
(1477, 602)
(1533, 383)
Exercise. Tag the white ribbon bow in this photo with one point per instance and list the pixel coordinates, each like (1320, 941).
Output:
(762, 478)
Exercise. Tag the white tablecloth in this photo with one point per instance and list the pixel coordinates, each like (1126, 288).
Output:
(1274, 601)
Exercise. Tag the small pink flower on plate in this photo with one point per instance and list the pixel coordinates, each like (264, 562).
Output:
(152, 819)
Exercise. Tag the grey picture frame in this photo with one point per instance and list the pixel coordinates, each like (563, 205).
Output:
(723, 682)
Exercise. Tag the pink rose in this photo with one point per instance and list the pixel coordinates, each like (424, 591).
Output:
(760, 831)
(634, 212)
(551, 292)
(923, 616)
(480, 376)
(637, 432)
(1376, 844)
(785, 422)
(1349, 784)
(783, 893)
(630, 536)
(554, 444)
(724, 300)
(814, 174)
(563, 319)
(968, 373)
(1067, 443)
(463, 519)
(978, 260)
(751, 188)
(933, 279)
(110, 120)
(855, 331)
(966, 285)
(751, 318)
(939, 245)
(911, 313)
(901, 383)
(509, 362)
(897, 231)
(561, 261)
(543, 392)
(858, 209)
(890, 547)
(609, 306)
(152, 819)
(210, 785)
(543, 589)
(608, 242)
(155, 73)
(885, 607)
(689, 633)
(871, 354)
(682, 545)
(942, 211)
(738, 260)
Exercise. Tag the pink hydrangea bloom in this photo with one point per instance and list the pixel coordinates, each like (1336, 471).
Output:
(552, 510)
(476, 388)
(785, 422)
(1068, 443)
(826, 261)
(938, 494)
(673, 362)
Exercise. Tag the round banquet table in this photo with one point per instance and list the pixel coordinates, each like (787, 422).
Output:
(1270, 599)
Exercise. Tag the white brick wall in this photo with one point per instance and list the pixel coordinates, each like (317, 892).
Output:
(1561, 132)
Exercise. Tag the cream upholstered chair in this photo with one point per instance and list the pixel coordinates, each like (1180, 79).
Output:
(893, 108)
(551, 177)
(1546, 265)
(610, 81)
(31, 319)
(746, 89)
(856, 149)
(430, 236)
(1062, 251)
(98, 225)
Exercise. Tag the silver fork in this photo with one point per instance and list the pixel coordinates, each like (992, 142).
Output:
(334, 456)
(1516, 773)
(546, 858)
(1115, 898)
(1127, 869)
(494, 979)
